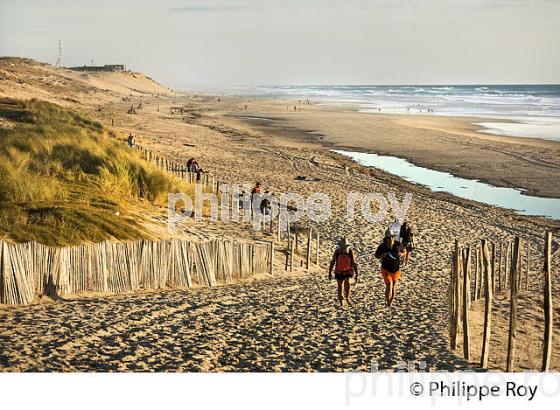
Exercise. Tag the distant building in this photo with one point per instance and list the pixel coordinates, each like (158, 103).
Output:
(113, 68)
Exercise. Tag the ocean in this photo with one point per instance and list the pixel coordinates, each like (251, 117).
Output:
(530, 110)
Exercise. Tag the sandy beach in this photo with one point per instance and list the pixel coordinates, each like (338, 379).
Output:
(444, 143)
(290, 322)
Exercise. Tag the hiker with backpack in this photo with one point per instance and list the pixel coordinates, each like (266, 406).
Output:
(345, 268)
(390, 252)
(407, 241)
(131, 141)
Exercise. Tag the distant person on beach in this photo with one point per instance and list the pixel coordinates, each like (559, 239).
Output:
(192, 165)
(131, 141)
(407, 241)
(389, 252)
(265, 205)
(199, 174)
(256, 189)
(345, 268)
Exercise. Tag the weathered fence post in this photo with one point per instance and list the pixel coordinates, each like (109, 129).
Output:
(493, 268)
(519, 266)
(548, 321)
(309, 236)
(455, 295)
(292, 256)
(527, 269)
(475, 293)
(506, 266)
(317, 249)
(466, 300)
(271, 258)
(513, 306)
(500, 267)
(487, 307)
(481, 276)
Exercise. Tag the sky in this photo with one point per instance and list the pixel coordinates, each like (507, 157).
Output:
(198, 44)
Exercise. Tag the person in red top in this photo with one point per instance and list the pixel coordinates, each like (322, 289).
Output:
(256, 189)
(345, 268)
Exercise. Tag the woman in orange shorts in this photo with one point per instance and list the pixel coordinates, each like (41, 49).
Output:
(389, 252)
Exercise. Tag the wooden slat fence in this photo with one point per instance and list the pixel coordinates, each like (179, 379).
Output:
(31, 269)
(502, 270)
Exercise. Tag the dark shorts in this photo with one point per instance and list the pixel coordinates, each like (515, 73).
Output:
(347, 274)
(408, 247)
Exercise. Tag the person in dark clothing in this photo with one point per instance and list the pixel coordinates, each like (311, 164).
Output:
(345, 268)
(199, 174)
(389, 252)
(407, 241)
(265, 205)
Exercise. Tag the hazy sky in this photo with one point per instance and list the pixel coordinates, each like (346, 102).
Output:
(201, 43)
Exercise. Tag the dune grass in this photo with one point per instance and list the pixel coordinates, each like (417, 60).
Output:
(65, 180)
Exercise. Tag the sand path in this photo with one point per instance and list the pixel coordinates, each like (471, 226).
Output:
(277, 324)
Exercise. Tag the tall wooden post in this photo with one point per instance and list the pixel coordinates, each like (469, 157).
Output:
(292, 256)
(527, 268)
(519, 266)
(513, 307)
(500, 267)
(548, 320)
(506, 267)
(317, 249)
(288, 230)
(271, 258)
(475, 293)
(487, 306)
(456, 296)
(466, 300)
(493, 268)
(309, 236)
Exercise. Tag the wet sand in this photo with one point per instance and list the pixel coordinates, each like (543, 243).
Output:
(449, 144)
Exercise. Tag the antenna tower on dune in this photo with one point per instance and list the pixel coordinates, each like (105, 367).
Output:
(60, 61)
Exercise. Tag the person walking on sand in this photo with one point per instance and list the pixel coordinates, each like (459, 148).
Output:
(389, 252)
(256, 189)
(407, 241)
(345, 268)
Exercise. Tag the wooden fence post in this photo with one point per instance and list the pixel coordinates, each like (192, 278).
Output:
(317, 249)
(487, 307)
(481, 273)
(292, 256)
(548, 320)
(475, 293)
(493, 268)
(456, 296)
(272, 257)
(506, 266)
(519, 266)
(309, 236)
(466, 300)
(500, 267)
(527, 269)
(513, 307)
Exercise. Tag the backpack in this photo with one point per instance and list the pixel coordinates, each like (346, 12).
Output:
(343, 261)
